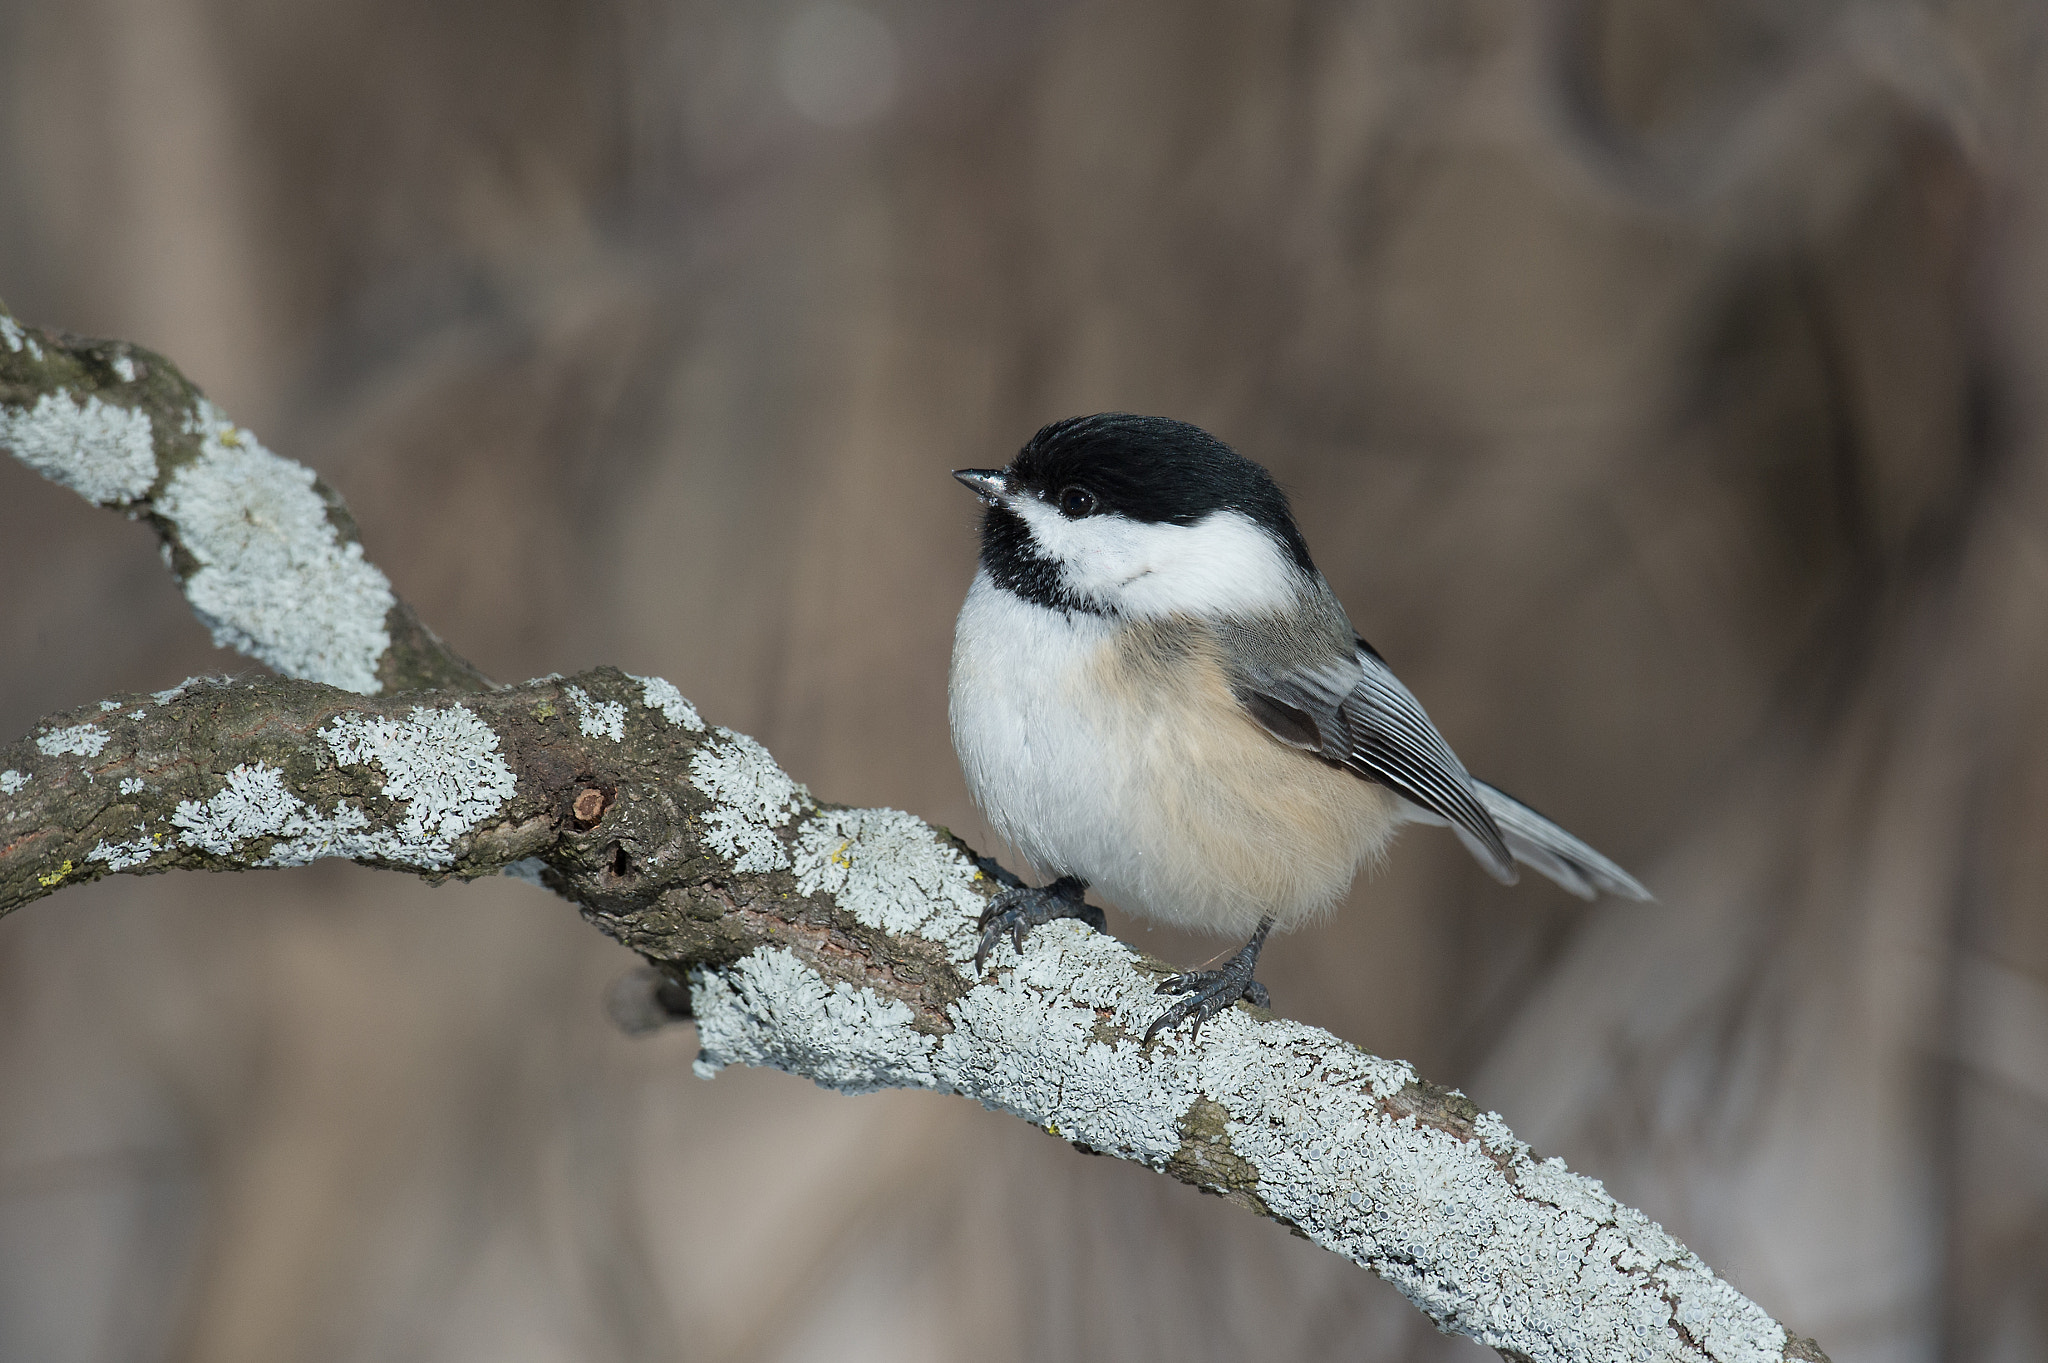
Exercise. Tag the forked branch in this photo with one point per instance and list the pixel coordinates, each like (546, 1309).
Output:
(833, 943)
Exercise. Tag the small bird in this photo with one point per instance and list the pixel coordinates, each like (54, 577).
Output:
(1155, 694)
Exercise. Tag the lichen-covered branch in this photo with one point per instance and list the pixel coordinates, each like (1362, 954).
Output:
(838, 944)
(265, 551)
(830, 942)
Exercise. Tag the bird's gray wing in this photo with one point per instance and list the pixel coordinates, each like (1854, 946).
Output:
(1356, 713)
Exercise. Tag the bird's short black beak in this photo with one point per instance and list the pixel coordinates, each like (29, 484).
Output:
(987, 484)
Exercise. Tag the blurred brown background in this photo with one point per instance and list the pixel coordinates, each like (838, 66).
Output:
(1658, 382)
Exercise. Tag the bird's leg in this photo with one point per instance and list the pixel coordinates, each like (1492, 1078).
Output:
(1019, 909)
(1209, 992)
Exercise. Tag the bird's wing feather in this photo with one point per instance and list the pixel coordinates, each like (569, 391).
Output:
(1356, 713)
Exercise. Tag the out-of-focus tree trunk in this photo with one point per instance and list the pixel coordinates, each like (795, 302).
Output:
(1655, 382)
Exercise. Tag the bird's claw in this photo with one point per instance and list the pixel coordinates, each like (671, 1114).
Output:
(1017, 911)
(1209, 993)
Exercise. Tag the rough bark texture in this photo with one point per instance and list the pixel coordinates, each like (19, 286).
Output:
(836, 943)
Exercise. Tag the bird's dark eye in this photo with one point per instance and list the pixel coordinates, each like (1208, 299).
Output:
(1077, 502)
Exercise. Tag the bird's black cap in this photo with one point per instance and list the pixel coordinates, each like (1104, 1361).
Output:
(1154, 469)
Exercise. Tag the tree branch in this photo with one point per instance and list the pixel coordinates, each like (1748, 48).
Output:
(264, 550)
(831, 942)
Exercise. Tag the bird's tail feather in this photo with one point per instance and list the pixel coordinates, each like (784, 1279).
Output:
(1537, 842)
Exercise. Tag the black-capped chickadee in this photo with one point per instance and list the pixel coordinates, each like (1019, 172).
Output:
(1155, 693)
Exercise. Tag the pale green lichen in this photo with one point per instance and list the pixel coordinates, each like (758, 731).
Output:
(441, 767)
(771, 1009)
(657, 694)
(444, 764)
(274, 578)
(82, 740)
(598, 718)
(1524, 1256)
(102, 451)
(891, 872)
(17, 340)
(751, 797)
(119, 856)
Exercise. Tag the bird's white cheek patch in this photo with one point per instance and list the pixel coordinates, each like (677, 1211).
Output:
(1220, 565)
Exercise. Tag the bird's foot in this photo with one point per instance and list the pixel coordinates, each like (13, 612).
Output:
(1018, 910)
(1209, 992)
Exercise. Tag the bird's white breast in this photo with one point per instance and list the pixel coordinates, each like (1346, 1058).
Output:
(1134, 768)
(1029, 737)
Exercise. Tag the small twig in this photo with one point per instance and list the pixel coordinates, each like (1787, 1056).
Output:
(265, 550)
